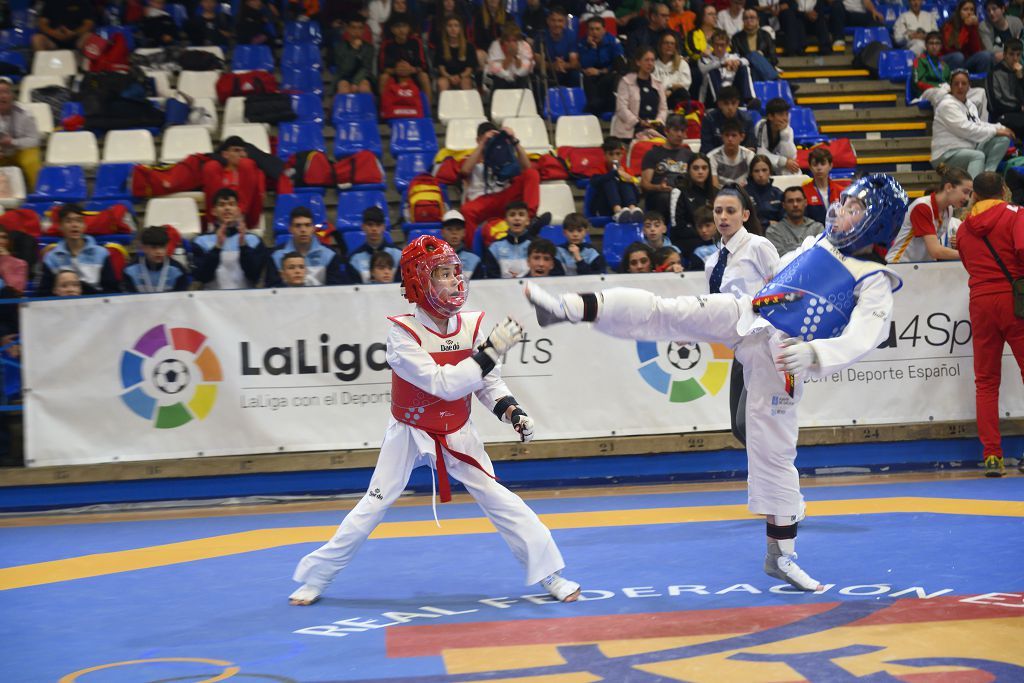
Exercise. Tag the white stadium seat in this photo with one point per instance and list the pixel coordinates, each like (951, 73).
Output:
(512, 104)
(73, 149)
(43, 115)
(30, 83)
(253, 133)
(16, 179)
(180, 141)
(134, 146)
(532, 132)
(460, 134)
(578, 131)
(557, 199)
(181, 212)
(459, 104)
(198, 84)
(234, 111)
(54, 63)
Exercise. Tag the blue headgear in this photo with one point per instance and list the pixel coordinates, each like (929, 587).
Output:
(885, 205)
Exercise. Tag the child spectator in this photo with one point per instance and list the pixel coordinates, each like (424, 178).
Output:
(790, 231)
(913, 26)
(453, 231)
(455, 58)
(229, 257)
(681, 19)
(930, 71)
(232, 168)
(158, 27)
(292, 271)
(323, 265)
(67, 283)
(373, 228)
(638, 258)
(998, 29)
(13, 270)
(540, 258)
(704, 219)
(64, 25)
(577, 257)
(487, 22)
(766, 197)
(600, 56)
(722, 69)
(155, 271)
(925, 233)
(654, 231)
(663, 166)
(615, 192)
(256, 23)
(80, 253)
(667, 260)
(382, 268)
(401, 58)
(353, 59)
(208, 25)
(510, 59)
(695, 191)
(961, 40)
(1005, 89)
(559, 47)
(507, 257)
(383, 13)
(439, 21)
(726, 108)
(773, 137)
(822, 190)
(731, 161)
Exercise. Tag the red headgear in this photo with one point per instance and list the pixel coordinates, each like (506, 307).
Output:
(420, 258)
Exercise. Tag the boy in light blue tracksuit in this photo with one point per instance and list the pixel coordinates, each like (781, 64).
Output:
(80, 253)
(577, 257)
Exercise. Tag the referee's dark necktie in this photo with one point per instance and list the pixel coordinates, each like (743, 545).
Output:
(715, 283)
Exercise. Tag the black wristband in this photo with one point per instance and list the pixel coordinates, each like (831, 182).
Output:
(781, 533)
(515, 413)
(589, 307)
(485, 362)
(502, 405)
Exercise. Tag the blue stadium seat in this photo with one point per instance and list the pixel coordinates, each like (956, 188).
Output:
(553, 233)
(284, 203)
(564, 102)
(863, 36)
(308, 108)
(352, 136)
(769, 90)
(355, 239)
(179, 13)
(252, 58)
(15, 59)
(618, 236)
(108, 32)
(298, 55)
(352, 203)
(408, 166)
(299, 137)
(354, 106)
(14, 38)
(302, 79)
(60, 184)
(595, 220)
(413, 135)
(895, 65)
(302, 32)
(113, 181)
(413, 233)
(805, 126)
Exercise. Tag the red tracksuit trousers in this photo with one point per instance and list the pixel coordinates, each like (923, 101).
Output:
(993, 325)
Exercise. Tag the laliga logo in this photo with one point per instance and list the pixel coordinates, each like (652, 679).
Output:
(158, 371)
(684, 371)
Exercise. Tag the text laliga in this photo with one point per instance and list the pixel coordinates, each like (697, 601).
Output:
(344, 361)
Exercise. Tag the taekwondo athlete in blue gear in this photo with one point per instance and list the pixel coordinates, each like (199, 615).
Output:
(824, 309)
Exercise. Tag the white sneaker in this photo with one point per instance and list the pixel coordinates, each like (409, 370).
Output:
(784, 567)
(561, 589)
(305, 595)
(623, 216)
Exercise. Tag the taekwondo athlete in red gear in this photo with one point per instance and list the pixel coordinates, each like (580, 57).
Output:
(823, 310)
(438, 361)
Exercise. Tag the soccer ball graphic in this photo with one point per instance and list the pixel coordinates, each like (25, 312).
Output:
(683, 356)
(171, 376)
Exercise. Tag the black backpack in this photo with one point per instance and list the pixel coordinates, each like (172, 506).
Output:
(869, 56)
(200, 60)
(269, 108)
(501, 160)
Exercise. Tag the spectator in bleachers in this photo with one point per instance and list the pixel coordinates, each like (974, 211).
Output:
(208, 25)
(64, 25)
(158, 28)
(704, 245)
(485, 197)
(930, 71)
(960, 137)
(231, 167)
(998, 28)
(487, 22)
(292, 271)
(615, 192)
(601, 9)
(80, 253)
(507, 257)
(374, 226)
(913, 26)
(766, 197)
(577, 257)
(533, 20)
(257, 23)
(681, 19)
(722, 69)
(822, 190)
(13, 270)
(845, 13)
(788, 232)
(541, 259)
(439, 20)
(19, 135)
(230, 256)
(655, 231)
(731, 20)
(797, 19)
(774, 137)
(698, 41)
(648, 33)
(154, 270)
(926, 231)
(302, 10)
(455, 59)
(668, 260)
(323, 265)
(1005, 89)
(402, 58)
(67, 282)
(663, 166)
(510, 59)
(726, 108)
(453, 231)
(600, 56)
(628, 12)
(353, 59)
(673, 71)
(382, 268)
(558, 46)
(640, 105)
(757, 46)
(637, 258)
(961, 40)
(696, 190)
(382, 13)
(730, 163)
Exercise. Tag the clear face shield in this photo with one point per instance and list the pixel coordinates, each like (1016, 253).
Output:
(848, 221)
(447, 288)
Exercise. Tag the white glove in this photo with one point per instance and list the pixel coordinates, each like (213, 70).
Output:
(553, 309)
(503, 337)
(796, 356)
(523, 424)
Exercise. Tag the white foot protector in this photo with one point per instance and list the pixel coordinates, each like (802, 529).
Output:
(553, 309)
(784, 567)
(561, 589)
(305, 595)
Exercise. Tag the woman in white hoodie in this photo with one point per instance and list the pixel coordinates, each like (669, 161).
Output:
(961, 137)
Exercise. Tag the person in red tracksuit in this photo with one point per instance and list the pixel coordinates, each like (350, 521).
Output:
(993, 322)
(234, 169)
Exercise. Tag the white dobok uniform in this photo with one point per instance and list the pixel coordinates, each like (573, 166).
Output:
(773, 484)
(433, 379)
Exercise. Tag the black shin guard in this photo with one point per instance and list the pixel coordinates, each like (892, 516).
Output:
(589, 307)
(781, 533)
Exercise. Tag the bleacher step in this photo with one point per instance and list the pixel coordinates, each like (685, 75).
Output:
(816, 61)
(907, 145)
(837, 73)
(848, 88)
(879, 114)
(837, 101)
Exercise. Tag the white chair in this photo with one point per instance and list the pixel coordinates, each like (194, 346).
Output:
(512, 104)
(198, 84)
(234, 111)
(578, 131)
(161, 82)
(210, 105)
(30, 83)
(43, 115)
(556, 198)
(784, 181)
(459, 104)
(135, 146)
(17, 182)
(253, 133)
(180, 212)
(532, 132)
(693, 145)
(180, 141)
(73, 149)
(460, 134)
(54, 63)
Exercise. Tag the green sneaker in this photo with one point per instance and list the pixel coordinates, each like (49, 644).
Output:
(994, 466)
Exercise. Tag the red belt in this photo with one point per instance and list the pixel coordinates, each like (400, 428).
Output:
(443, 485)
